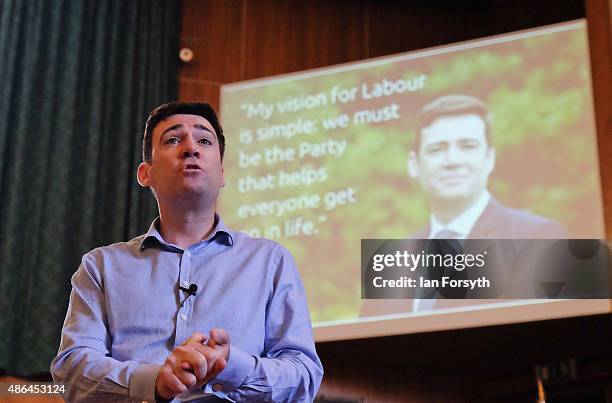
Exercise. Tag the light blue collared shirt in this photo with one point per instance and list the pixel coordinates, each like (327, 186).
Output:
(125, 317)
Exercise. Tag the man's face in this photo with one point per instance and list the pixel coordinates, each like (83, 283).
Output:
(185, 159)
(454, 160)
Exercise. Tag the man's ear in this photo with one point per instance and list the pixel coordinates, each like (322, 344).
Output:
(414, 169)
(143, 174)
(490, 160)
(222, 184)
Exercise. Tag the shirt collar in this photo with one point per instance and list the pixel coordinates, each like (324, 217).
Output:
(464, 222)
(153, 238)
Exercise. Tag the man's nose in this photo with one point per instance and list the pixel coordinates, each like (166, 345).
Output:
(453, 157)
(190, 149)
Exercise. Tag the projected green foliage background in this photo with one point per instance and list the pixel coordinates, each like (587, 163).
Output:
(537, 88)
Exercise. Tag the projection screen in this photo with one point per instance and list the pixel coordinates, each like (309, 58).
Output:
(319, 160)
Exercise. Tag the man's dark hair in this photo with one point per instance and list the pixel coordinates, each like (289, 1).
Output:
(452, 105)
(178, 108)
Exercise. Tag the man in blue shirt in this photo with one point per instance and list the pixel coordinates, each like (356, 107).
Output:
(190, 310)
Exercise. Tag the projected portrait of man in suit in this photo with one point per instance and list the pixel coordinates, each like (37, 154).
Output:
(452, 157)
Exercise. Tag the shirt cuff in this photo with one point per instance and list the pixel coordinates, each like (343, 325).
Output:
(142, 382)
(239, 366)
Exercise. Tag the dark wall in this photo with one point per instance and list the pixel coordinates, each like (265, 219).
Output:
(491, 364)
(236, 40)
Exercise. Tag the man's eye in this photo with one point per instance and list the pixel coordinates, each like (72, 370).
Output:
(470, 146)
(206, 141)
(172, 140)
(435, 149)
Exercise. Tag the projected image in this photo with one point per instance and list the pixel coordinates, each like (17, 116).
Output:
(452, 158)
(487, 139)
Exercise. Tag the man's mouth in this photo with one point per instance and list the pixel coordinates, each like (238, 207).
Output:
(192, 167)
(450, 179)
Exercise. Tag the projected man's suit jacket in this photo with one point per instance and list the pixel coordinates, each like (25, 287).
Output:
(496, 222)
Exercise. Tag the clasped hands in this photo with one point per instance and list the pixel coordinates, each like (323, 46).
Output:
(193, 363)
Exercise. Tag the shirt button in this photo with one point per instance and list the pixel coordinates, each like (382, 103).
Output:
(183, 316)
(217, 387)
